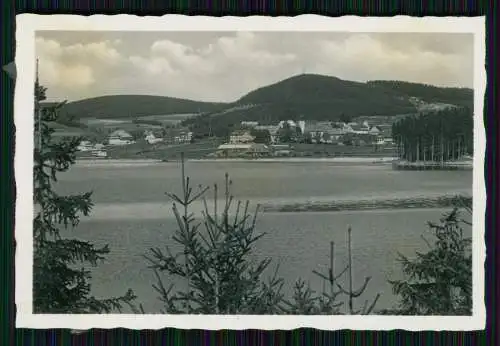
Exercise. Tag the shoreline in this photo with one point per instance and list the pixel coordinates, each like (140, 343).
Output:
(110, 162)
(345, 159)
(396, 164)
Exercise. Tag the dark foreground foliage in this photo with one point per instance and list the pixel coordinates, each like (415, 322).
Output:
(61, 284)
(439, 282)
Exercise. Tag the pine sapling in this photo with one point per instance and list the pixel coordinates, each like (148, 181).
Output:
(217, 266)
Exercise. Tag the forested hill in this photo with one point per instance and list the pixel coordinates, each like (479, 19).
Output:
(429, 93)
(319, 97)
(316, 97)
(133, 106)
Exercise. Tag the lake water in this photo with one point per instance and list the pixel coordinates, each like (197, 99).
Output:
(132, 214)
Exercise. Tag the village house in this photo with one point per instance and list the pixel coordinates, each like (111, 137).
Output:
(151, 138)
(375, 120)
(290, 123)
(120, 137)
(242, 149)
(183, 137)
(360, 129)
(346, 128)
(319, 132)
(87, 149)
(301, 124)
(336, 133)
(380, 140)
(240, 136)
(386, 134)
(375, 131)
(272, 129)
(333, 135)
(178, 136)
(249, 124)
(85, 146)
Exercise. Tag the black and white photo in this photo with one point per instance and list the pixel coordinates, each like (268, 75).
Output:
(329, 176)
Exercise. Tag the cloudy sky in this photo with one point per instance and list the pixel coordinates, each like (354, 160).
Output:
(223, 66)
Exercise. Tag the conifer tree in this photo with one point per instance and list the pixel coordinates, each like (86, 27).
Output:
(439, 281)
(61, 284)
(215, 263)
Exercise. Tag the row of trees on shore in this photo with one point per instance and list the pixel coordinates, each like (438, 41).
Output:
(442, 136)
(216, 268)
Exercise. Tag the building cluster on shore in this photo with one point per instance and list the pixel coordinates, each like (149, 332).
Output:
(255, 140)
(121, 137)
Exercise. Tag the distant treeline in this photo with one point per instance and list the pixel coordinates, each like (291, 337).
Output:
(441, 136)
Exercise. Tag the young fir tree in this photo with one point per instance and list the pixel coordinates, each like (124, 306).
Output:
(215, 264)
(60, 283)
(306, 301)
(439, 282)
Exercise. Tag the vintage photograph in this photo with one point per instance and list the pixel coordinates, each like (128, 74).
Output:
(244, 172)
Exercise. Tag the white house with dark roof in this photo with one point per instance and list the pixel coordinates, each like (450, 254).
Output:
(272, 129)
(360, 129)
(150, 137)
(120, 137)
(249, 124)
(246, 149)
(323, 132)
(85, 146)
(375, 130)
(241, 136)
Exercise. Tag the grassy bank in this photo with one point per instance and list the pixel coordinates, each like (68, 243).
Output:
(334, 150)
(371, 204)
(161, 151)
(201, 149)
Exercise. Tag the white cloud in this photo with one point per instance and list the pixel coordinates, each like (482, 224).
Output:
(243, 48)
(76, 76)
(73, 68)
(153, 66)
(363, 58)
(184, 57)
(104, 52)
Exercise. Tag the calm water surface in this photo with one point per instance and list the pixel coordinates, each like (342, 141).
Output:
(132, 214)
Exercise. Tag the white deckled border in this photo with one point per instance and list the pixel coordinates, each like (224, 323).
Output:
(27, 24)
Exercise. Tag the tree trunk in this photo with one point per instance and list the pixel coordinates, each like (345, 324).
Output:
(425, 150)
(418, 151)
(349, 248)
(442, 150)
(449, 150)
(432, 150)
